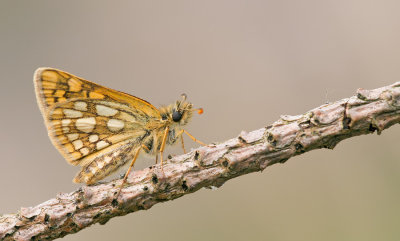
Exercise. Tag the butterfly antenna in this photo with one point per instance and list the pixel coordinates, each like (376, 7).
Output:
(199, 110)
(184, 97)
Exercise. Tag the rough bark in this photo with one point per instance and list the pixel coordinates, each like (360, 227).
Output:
(323, 127)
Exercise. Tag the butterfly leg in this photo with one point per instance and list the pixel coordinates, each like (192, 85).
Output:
(129, 169)
(194, 139)
(183, 144)
(179, 134)
(164, 140)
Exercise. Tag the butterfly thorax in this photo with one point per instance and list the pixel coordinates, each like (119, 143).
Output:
(173, 117)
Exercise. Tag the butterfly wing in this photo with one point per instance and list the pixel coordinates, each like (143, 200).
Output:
(81, 128)
(93, 126)
(107, 162)
(53, 86)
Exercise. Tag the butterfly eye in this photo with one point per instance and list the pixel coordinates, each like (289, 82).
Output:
(176, 116)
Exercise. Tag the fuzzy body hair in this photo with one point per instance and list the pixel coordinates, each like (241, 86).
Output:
(154, 140)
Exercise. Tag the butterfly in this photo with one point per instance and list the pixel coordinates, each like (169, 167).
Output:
(101, 129)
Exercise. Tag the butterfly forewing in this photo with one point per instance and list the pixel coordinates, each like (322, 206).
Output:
(92, 126)
(53, 86)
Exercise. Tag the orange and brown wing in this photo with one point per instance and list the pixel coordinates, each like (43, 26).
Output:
(54, 86)
(83, 129)
(91, 125)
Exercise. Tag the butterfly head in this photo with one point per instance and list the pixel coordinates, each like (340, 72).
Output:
(180, 112)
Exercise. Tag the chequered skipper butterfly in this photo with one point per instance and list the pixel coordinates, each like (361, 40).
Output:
(101, 129)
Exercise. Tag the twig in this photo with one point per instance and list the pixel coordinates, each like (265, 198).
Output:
(208, 167)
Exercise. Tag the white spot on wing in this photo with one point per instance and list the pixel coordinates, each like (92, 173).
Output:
(80, 105)
(86, 124)
(65, 122)
(72, 137)
(72, 113)
(115, 125)
(101, 145)
(105, 110)
(107, 159)
(78, 144)
(100, 165)
(93, 138)
(65, 129)
(84, 151)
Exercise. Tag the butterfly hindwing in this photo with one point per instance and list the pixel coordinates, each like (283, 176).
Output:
(109, 161)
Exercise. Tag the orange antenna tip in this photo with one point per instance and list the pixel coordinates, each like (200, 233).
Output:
(199, 110)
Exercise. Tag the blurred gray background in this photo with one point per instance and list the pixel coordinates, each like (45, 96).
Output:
(246, 63)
